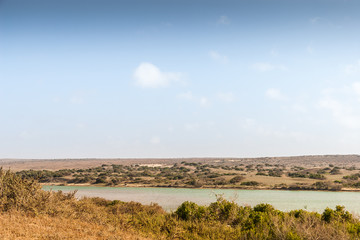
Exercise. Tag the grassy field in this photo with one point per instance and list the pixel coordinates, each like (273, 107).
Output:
(27, 212)
(19, 225)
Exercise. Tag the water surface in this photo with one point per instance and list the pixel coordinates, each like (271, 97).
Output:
(171, 198)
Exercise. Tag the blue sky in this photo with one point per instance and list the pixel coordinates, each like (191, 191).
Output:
(179, 78)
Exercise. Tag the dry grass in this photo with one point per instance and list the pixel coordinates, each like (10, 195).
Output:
(269, 181)
(17, 225)
(27, 212)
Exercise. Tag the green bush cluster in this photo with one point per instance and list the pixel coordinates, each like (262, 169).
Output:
(263, 221)
(306, 175)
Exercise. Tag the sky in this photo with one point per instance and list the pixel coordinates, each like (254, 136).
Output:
(171, 78)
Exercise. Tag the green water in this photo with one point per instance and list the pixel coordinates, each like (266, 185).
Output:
(171, 198)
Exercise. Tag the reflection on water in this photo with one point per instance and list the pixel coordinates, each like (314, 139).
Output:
(171, 198)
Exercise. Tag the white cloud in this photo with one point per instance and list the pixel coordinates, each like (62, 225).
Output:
(226, 97)
(299, 108)
(171, 129)
(265, 67)
(352, 68)
(223, 20)
(186, 95)
(340, 102)
(77, 100)
(356, 88)
(310, 49)
(263, 130)
(155, 140)
(56, 99)
(275, 94)
(191, 126)
(314, 20)
(24, 135)
(274, 53)
(218, 57)
(343, 114)
(167, 24)
(202, 101)
(148, 75)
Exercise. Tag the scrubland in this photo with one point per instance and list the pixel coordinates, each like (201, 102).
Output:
(27, 212)
(207, 175)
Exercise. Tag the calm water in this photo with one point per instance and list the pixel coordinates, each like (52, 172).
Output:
(171, 198)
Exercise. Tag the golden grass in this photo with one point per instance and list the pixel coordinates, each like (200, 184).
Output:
(16, 225)
(268, 181)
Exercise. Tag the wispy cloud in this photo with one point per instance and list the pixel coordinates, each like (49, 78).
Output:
(356, 88)
(223, 20)
(25, 135)
(226, 96)
(300, 108)
(186, 95)
(274, 93)
(265, 67)
(77, 100)
(214, 55)
(155, 140)
(202, 101)
(343, 105)
(191, 126)
(274, 53)
(310, 49)
(314, 20)
(352, 68)
(343, 114)
(148, 75)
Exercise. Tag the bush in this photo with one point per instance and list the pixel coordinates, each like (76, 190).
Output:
(335, 171)
(250, 183)
(17, 193)
(101, 179)
(264, 207)
(316, 176)
(190, 211)
(339, 214)
(261, 173)
(236, 179)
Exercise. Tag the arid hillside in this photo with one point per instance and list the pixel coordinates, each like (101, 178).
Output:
(302, 161)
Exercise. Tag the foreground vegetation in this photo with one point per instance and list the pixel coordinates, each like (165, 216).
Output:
(28, 212)
(196, 174)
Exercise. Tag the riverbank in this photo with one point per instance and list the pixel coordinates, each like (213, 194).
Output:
(106, 219)
(204, 175)
(203, 187)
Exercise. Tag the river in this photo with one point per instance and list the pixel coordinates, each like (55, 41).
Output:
(171, 198)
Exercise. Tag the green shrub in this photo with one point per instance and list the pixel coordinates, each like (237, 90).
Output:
(190, 211)
(264, 207)
(339, 214)
(236, 179)
(250, 183)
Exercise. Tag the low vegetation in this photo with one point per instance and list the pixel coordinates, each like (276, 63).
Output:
(28, 212)
(203, 175)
